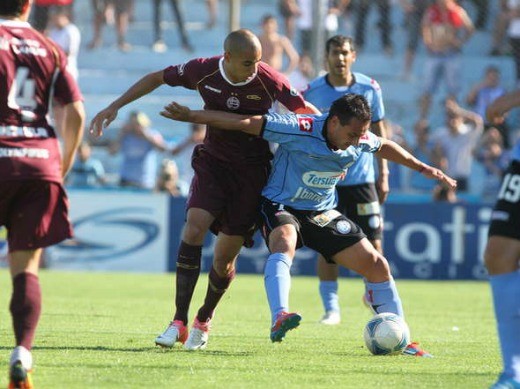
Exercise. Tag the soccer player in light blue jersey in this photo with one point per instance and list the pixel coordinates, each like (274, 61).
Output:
(357, 193)
(502, 255)
(298, 201)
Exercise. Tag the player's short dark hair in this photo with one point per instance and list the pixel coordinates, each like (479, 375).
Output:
(351, 106)
(12, 7)
(338, 41)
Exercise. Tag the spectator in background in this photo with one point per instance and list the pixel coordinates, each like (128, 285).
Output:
(395, 133)
(384, 24)
(168, 180)
(306, 20)
(513, 33)
(413, 13)
(42, 9)
(494, 159)
(159, 46)
(484, 93)
(455, 143)
(184, 151)
(423, 149)
(301, 77)
(212, 6)
(446, 27)
(500, 28)
(67, 36)
(275, 45)
(138, 144)
(290, 11)
(443, 193)
(86, 171)
(122, 12)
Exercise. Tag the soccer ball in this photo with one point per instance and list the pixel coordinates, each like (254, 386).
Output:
(386, 333)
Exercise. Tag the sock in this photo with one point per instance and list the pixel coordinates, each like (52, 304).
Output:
(329, 295)
(277, 281)
(23, 355)
(383, 297)
(217, 286)
(188, 270)
(506, 293)
(26, 303)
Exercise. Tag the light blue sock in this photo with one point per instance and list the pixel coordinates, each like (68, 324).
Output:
(329, 295)
(277, 281)
(506, 298)
(384, 297)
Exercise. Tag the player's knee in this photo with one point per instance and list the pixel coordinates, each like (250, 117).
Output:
(378, 269)
(194, 233)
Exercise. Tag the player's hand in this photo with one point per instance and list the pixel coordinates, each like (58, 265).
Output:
(431, 172)
(102, 121)
(495, 113)
(177, 112)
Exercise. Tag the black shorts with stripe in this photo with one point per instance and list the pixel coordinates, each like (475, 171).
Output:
(327, 232)
(505, 219)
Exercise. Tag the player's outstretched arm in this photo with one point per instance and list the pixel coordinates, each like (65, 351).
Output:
(496, 110)
(74, 122)
(145, 85)
(223, 120)
(393, 152)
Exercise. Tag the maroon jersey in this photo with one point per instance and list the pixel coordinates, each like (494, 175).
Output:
(253, 97)
(32, 72)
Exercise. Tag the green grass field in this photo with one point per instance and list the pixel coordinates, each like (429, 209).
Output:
(97, 331)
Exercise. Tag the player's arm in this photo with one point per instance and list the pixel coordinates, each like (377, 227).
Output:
(291, 53)
(496, 110)
(309, 109)
(74, 121)
(250, 124)
(145, 85)
(393, 152)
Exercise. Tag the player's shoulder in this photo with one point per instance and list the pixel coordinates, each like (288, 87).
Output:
(270, 75)
(366, 81)
(205, 62)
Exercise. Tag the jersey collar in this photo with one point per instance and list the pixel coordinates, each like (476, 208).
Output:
(221, 67)
(14, 23)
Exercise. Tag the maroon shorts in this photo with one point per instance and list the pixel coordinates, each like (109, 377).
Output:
(34, 213)
(230, 193)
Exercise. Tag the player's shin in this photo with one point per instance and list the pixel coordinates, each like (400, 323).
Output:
(277, 281)
(187, 274)
(383, 297)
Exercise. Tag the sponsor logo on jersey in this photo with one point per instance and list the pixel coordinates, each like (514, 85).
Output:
(212, 89)
(305, 124)
(253, 97)
(322, 180)
(375, 84)
(233, 103)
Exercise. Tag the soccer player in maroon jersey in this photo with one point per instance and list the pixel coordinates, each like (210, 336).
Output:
(33, 203)
(230, 169)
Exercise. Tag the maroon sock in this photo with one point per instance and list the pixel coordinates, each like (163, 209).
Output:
(188, 270)
(217, 286)
(26, 304)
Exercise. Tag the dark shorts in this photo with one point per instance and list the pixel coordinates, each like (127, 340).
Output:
(230, 193)
(505, 219)
(327, 232)
(34, 213)
(361, 205)
(120, 6)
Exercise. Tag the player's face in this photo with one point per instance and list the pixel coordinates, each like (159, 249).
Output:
(343, 136)
(340, 59)
(242, 66)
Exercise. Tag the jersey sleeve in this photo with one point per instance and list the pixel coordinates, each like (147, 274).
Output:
(185, 74)
(287, 95)
(66, 89)
(369, 143)
(283, 128)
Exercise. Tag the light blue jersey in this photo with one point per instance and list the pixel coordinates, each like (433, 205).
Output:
(515, 153)
(322, 94)
(305, 170)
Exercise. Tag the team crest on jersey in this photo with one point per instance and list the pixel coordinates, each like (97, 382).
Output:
(293, 91)
(343, 227)
(305, 124)
(233, 102)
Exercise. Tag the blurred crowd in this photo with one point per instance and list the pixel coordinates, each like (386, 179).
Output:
(141, 158)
